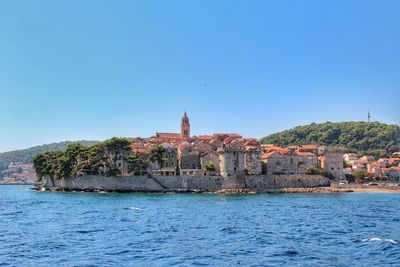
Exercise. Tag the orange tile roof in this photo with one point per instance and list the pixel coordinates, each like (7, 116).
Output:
(205, 137)
(284, 150)
(265, 146)
(272, 148)
(228, 134)
(299, 153)
(268, 155)
(168, 135)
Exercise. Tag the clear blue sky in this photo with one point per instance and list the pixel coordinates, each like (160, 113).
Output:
(72, 70)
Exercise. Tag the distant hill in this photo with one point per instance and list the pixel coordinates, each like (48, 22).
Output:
(363, 137)
(26, 155)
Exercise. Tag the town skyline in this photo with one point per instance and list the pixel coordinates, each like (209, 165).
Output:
(153, 132)
(172, 127)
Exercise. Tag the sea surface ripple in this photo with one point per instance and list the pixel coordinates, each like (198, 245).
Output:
(89, 229)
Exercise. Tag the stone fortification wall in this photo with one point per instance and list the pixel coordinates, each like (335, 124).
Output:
(258, 183)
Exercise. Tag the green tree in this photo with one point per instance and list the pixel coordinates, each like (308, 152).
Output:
(350, 178)
(314, 171)
(40, 165)
(77, 157)
(374, 138)
(361, 177)
(98, 160)
(27, 155)
(209, 167)
(116, 149)
(137, 162)
(156, 154)
(53, 164)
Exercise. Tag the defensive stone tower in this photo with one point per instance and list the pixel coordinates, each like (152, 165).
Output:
(231, 161)
(332, 162)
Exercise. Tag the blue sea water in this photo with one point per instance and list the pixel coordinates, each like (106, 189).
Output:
(89, 229)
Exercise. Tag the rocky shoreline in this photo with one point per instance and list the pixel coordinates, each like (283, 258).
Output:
(325, 190)
(222, 191)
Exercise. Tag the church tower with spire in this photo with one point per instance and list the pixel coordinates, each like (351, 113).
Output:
(185, 128)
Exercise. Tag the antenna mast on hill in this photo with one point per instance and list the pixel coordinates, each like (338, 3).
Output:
(369, 116)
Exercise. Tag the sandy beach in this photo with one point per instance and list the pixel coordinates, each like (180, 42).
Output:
(367, 189)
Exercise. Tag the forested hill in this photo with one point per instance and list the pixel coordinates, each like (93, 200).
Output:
(364, 137)
(26, 155)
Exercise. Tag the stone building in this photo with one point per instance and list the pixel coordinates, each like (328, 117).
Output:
(210, 157)
(252, 161)
(170, 160)
(176, 138)
(203, 146)
(273, 163)
(231, 160)
(309, 148)
(291, 158)
(189, 159)
(305, 161)
(229, 153)
(332, 162)
(120, 159)
(167, 138)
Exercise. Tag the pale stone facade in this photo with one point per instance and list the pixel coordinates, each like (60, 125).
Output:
(332, 162)
(121, 161)
(189, 158)
(210, 157)
(305, 161)
(231, 160)
(273, 163)
(288, 161)
(252, 161)
(170, 160)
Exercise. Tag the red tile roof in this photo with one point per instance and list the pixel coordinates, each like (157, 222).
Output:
(308, 147)
(168, 135)
(268, 155)
(299, 153)
(205, 137)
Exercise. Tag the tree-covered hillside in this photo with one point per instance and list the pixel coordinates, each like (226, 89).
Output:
(363, 137)
(26, 155)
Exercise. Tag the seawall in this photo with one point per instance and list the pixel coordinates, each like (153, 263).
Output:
(250, 183)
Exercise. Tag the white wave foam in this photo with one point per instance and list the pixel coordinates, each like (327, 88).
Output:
(134, 208)
(377, 239)
(391, 241)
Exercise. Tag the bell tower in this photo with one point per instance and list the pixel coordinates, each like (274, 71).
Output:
(185, 128)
